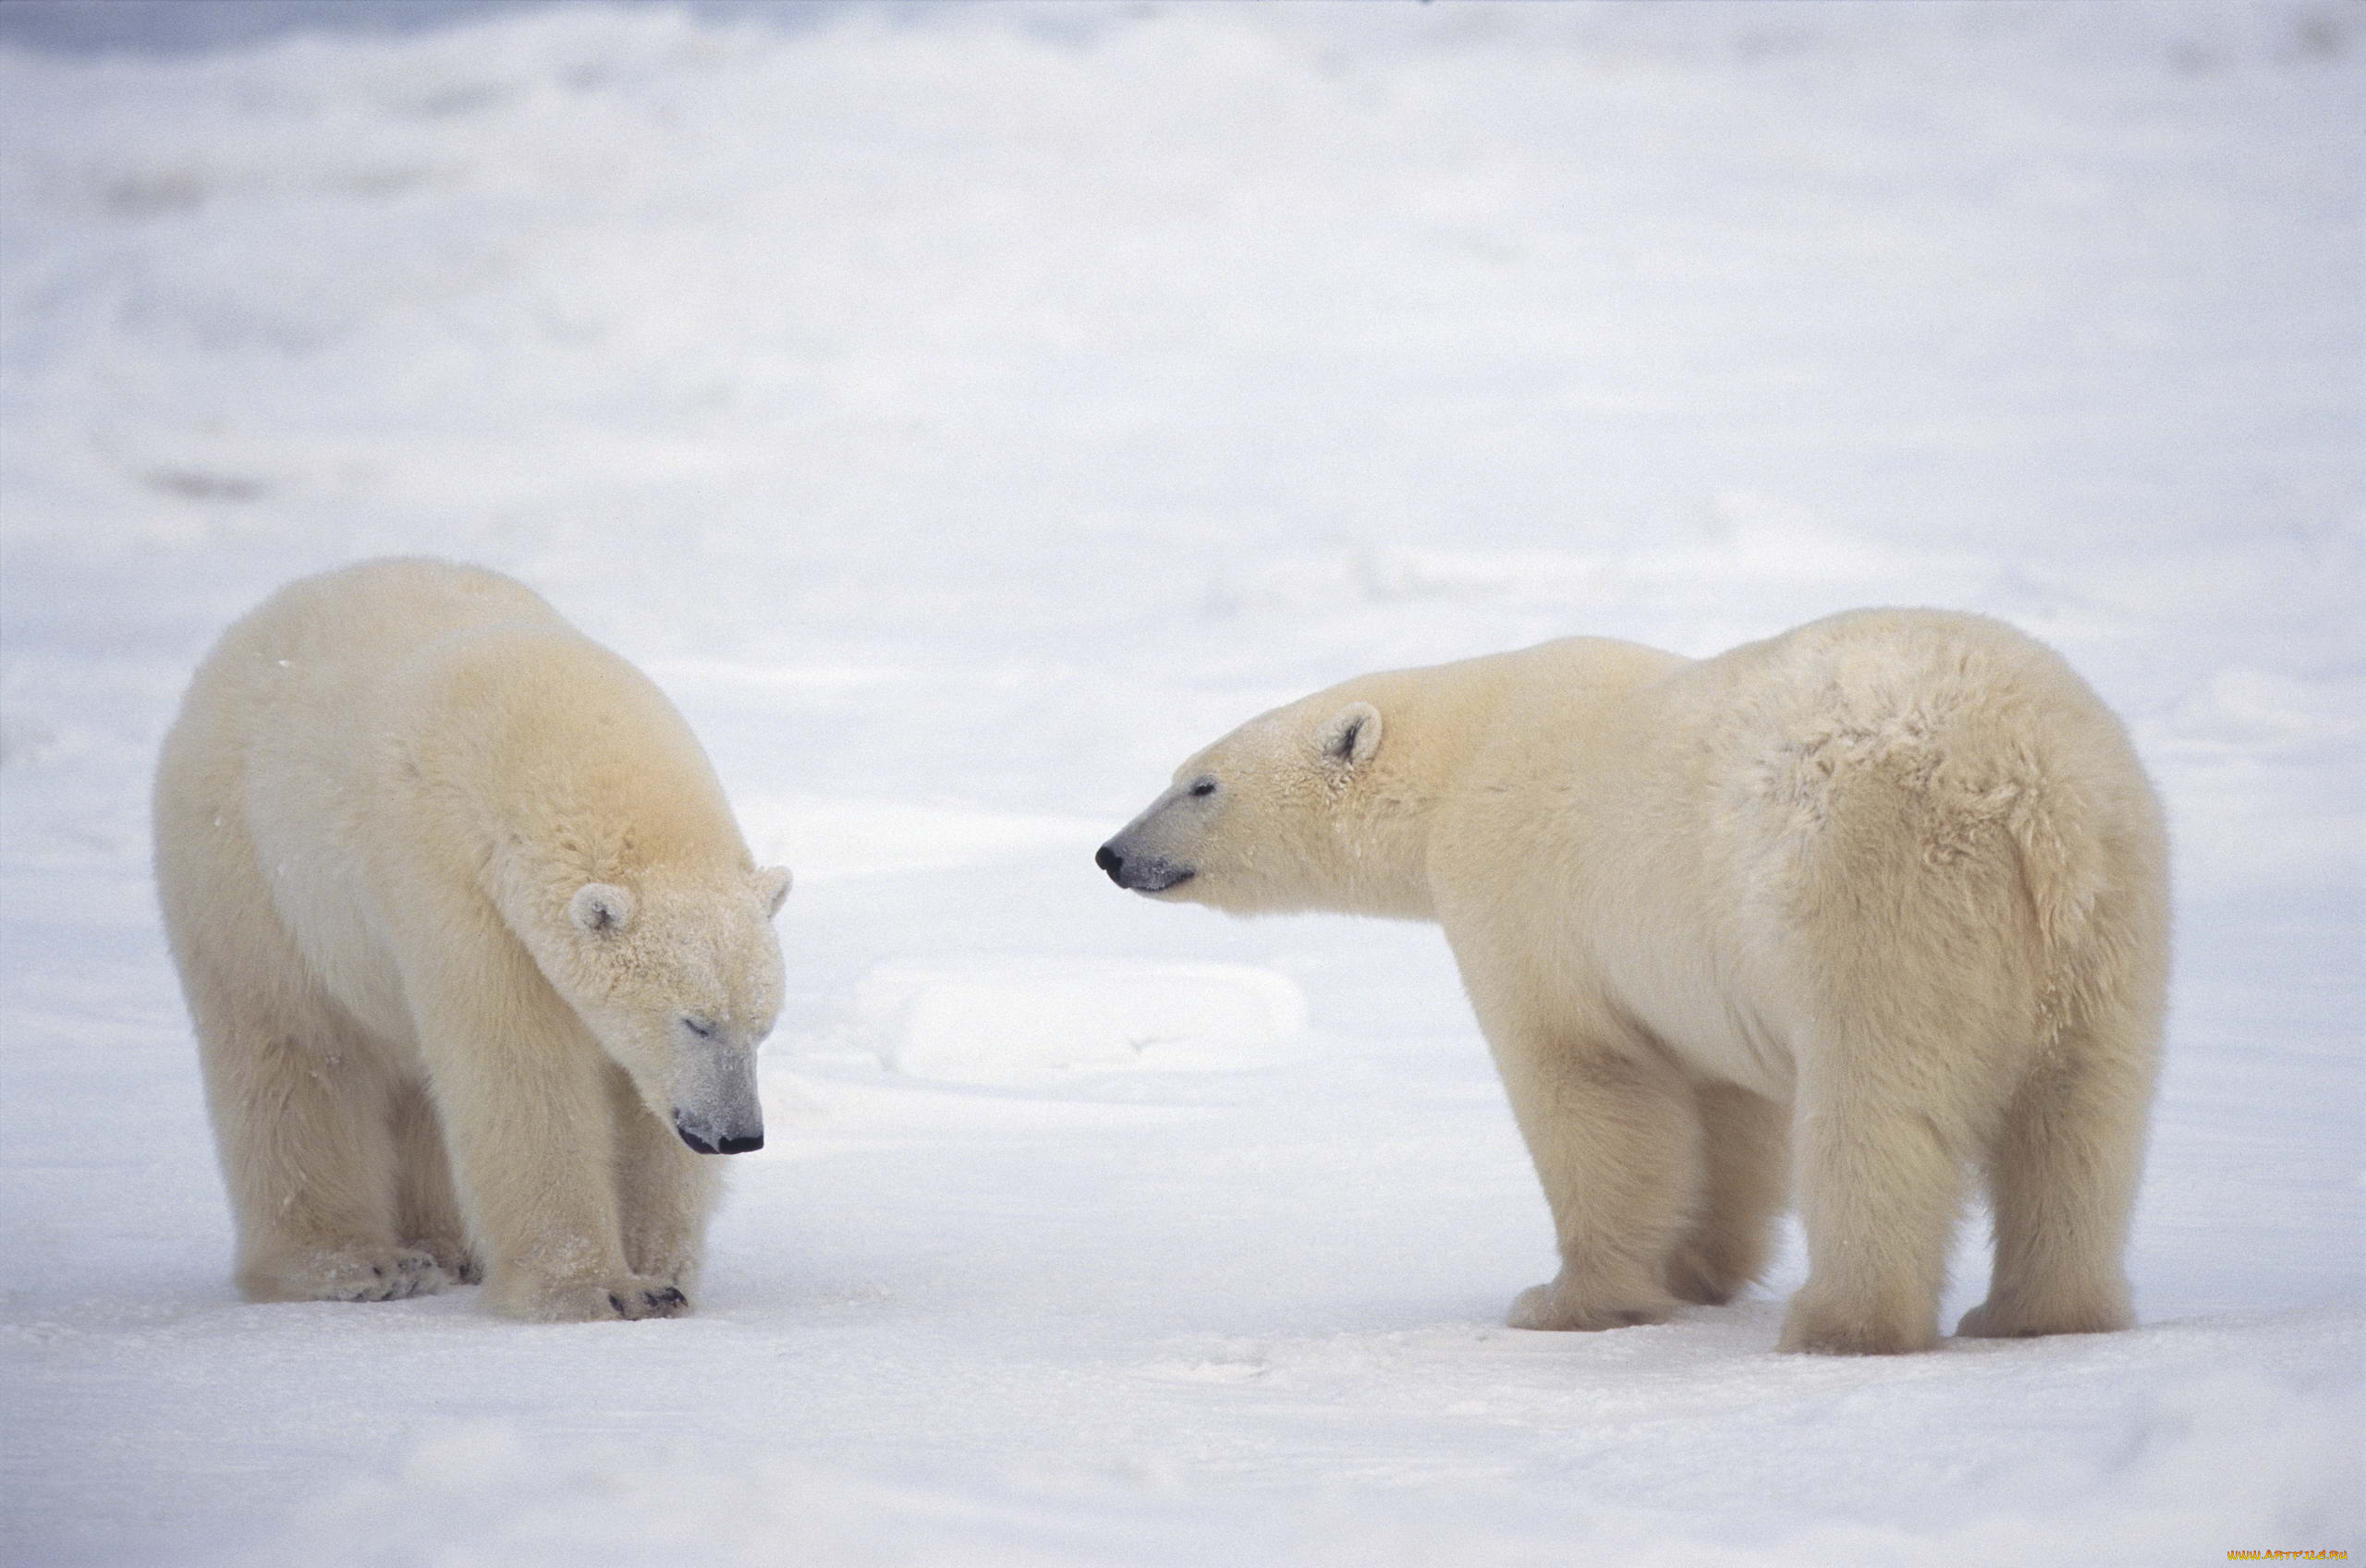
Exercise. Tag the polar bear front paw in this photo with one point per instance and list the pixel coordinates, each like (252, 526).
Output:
(648, 1301)
(1695, 1276)
(459, 1264)
(1559, 1305)
(1818, 1325)
(344, 1273)
(2103, 1313)
(592, 1301)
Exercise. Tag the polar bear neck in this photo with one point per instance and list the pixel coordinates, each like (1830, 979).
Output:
(570, 767)
(1383, 817)
(1455, 737)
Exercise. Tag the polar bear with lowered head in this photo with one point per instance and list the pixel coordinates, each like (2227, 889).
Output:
(1870, 905)
(478, 960)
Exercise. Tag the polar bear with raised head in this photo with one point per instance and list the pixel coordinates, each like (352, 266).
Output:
(478, 960)
(1872, 906)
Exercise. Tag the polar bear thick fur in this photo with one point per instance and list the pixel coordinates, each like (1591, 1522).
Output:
(478, 960)
(1883, 899)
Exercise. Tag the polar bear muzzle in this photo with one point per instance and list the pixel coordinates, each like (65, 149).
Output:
(1149, 855)
(716, 1109)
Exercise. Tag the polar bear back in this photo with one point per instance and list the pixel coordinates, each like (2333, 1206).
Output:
(1678, 830)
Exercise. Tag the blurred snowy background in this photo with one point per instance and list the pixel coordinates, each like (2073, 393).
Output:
(964, 411)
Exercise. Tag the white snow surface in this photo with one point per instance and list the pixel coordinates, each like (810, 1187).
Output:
(966, 411)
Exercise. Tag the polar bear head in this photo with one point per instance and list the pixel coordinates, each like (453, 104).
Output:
(677, 975)
(1304, 808)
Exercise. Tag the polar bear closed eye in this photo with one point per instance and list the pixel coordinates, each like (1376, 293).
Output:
(477, 957)
(1872, 906)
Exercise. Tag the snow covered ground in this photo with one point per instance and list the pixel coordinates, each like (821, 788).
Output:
(964, 413)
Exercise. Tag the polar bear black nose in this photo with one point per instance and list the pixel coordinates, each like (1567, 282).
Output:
(1139, 872)
(704, 1142)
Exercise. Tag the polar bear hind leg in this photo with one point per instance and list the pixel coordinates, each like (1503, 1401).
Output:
(1914, 970)
(1882, 1182)
(2064, 1166)
(1745, 1146)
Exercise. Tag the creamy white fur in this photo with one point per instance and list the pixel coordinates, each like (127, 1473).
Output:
(467, 930)
(1882, 901)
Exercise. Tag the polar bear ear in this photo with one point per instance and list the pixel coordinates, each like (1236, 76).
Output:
(1349, 737)
(772, 883)
(601, 907)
